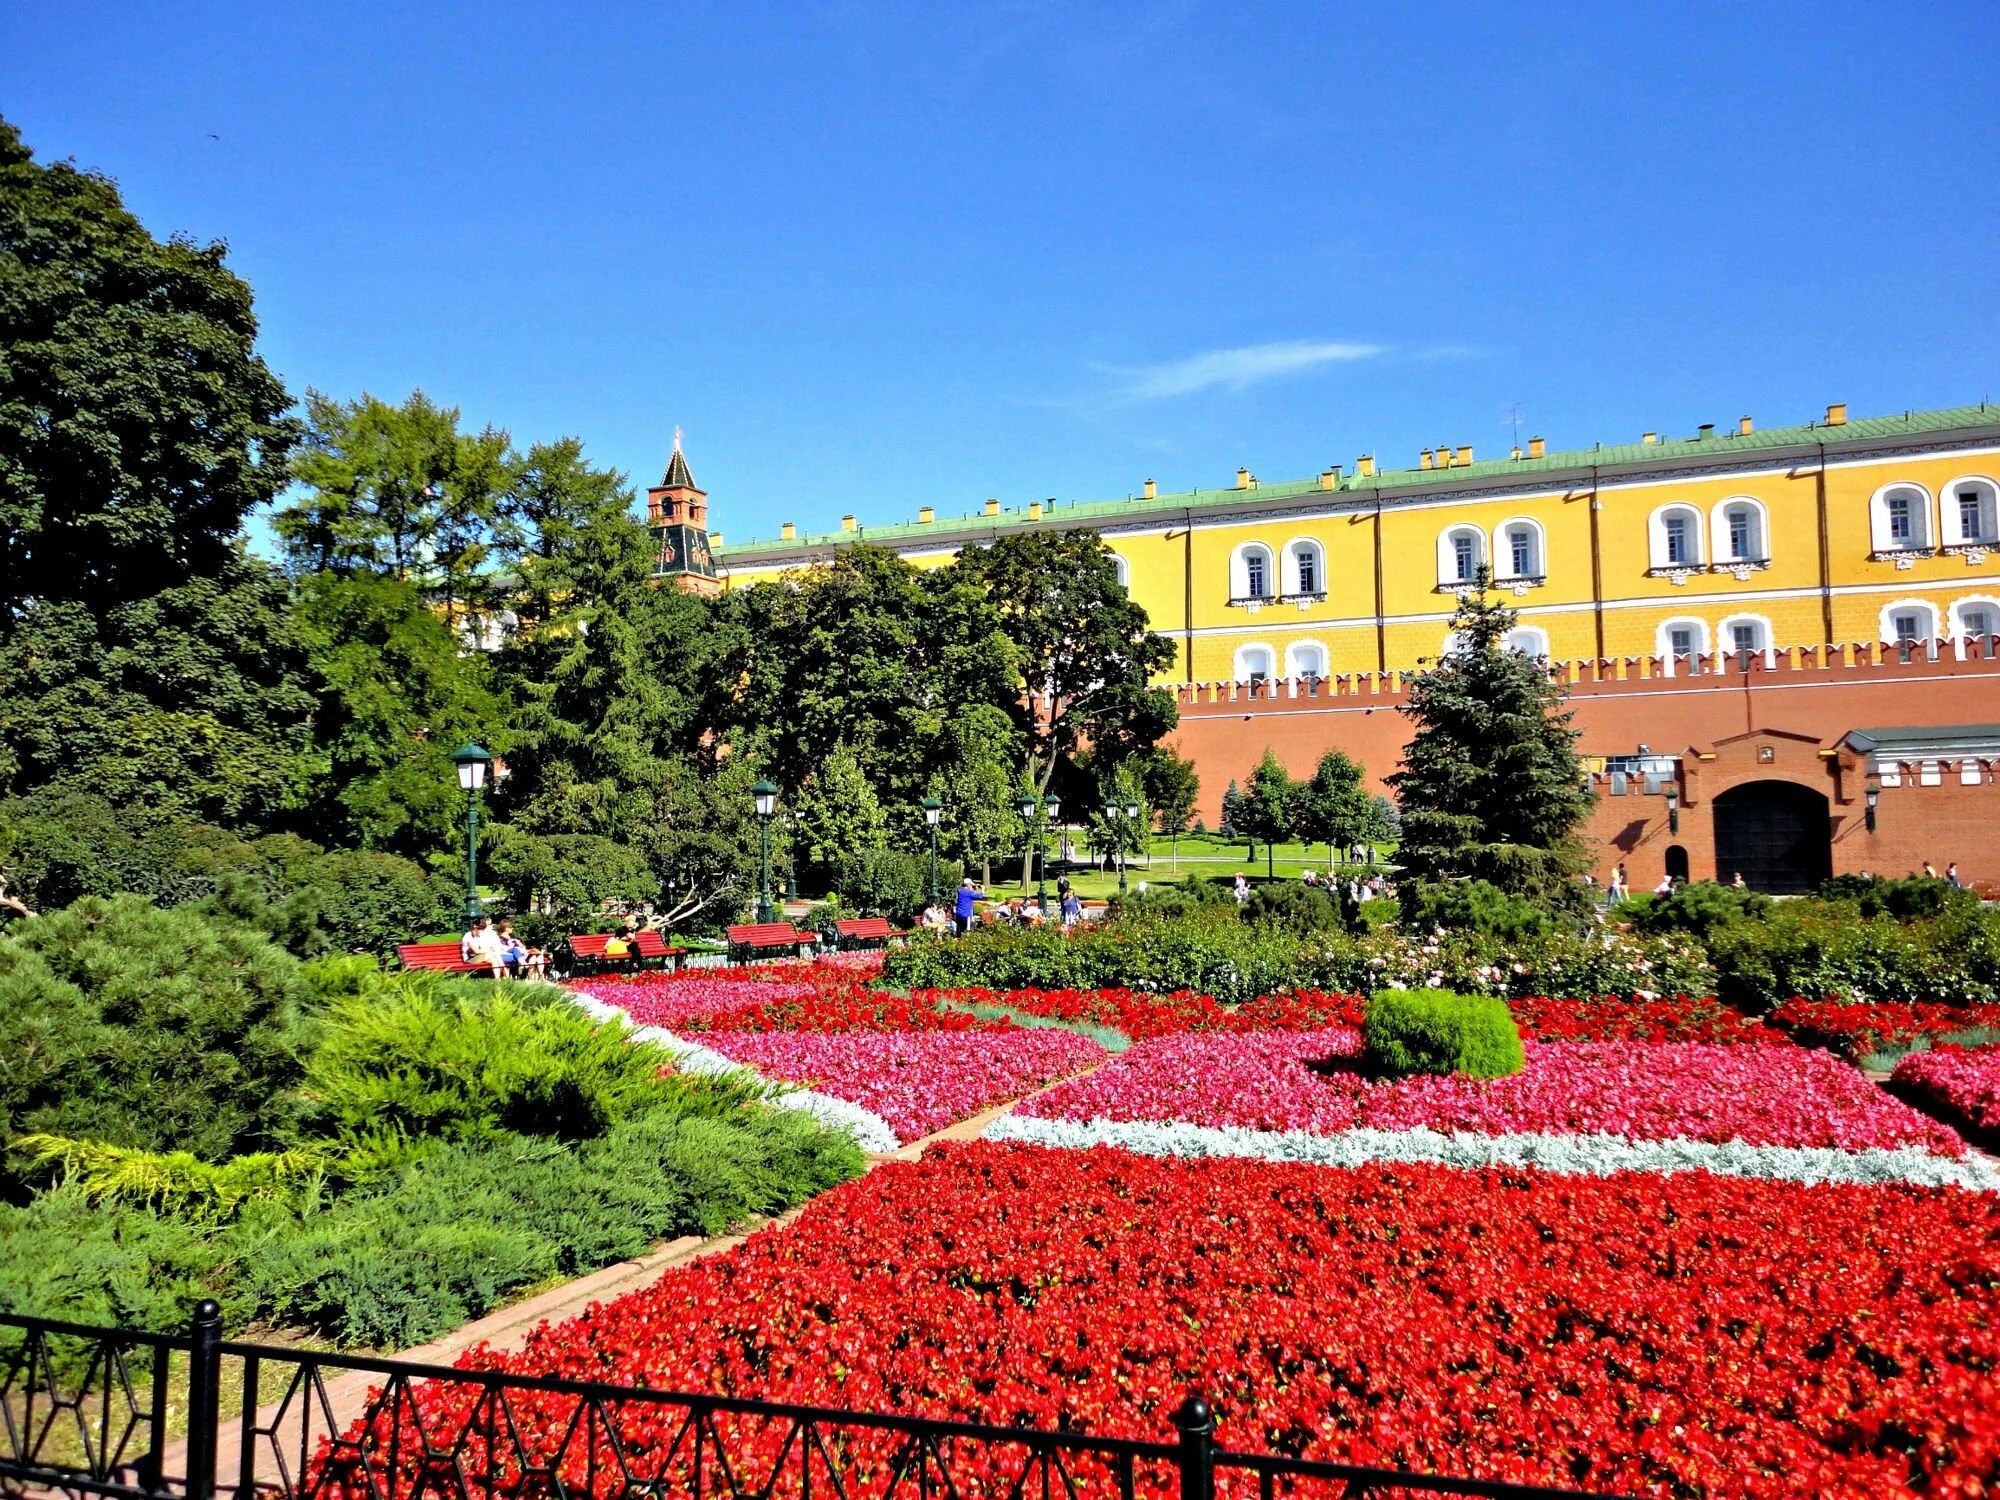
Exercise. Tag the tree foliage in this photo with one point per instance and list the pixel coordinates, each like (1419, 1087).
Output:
(1334, 808)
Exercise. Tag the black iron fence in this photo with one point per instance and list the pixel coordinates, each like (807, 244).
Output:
(113, 1412)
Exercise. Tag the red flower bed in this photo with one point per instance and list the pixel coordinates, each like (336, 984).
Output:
(1141, 1015)
(818, 996)
(1690, 1335)
(1962, 1084)
(1617, 1018)
(1855, 1030)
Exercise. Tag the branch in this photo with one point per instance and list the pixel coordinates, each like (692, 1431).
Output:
(10, 902)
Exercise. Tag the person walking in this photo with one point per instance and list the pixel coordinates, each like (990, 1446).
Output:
(1615, 891)
(1951, 874)
(1242, 889)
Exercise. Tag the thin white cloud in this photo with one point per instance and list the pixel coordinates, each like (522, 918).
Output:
(1233, 369)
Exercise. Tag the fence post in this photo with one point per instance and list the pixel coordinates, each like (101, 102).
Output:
(1197, 1449)
(204, 1398)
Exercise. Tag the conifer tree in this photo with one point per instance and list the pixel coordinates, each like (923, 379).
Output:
(1491, 788)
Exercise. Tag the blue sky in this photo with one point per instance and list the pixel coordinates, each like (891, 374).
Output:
(872, 257)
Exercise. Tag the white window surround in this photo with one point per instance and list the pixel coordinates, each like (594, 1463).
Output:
(1449, 572)
(1254, 661)
(1454, 642)
(1124, 570)
(1954, 526)
(1305, 659)
(1503, 549)
(1725, 635)
(1663, 644)
(1923, 609)
(1529, 640)
(1294, 580)
(1760, 531)
(1922, 519)
(1972, 603)
(1239, 571)
(1697, 537)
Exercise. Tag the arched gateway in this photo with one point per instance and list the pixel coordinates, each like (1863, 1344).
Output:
(1777, 834)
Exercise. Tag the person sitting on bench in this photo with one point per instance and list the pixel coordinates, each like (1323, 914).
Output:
(482, 945)
(622, 943)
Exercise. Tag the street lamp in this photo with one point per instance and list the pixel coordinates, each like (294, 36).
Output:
(1673, 809)
(933, 810)
(472, 764)
(1871, 796)
(764, 796)
(1131, 811)
(1048, 808)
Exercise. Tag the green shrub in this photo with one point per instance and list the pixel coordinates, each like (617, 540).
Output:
(1473, 906)
(1405, 1032)
(1822, 950)
(160, 1030)
(889, 883)
(1301, 907)
(1173, 899)
(1701, 908)
(1904, 900)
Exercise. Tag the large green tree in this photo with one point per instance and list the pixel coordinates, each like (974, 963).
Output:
(1173, 787)
(1334, 808)
(1491, 787)
(1269, 809)
(143, 652)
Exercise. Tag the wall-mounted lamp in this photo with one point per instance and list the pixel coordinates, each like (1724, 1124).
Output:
(1870, 797)
(1673, 809)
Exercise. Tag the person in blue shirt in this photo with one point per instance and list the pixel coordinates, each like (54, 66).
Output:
(961, 913)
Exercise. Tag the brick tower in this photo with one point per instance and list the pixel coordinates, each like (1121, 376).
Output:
(677, 513)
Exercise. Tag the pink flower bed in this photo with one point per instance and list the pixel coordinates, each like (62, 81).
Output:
(1312, 1082)
(1963, 1083)
(917, 1081)
(688, 997)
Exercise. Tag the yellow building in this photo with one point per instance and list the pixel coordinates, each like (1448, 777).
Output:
(1744, 539)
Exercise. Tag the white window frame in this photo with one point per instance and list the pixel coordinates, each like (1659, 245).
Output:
(1447, 549)
(1968, 644)
(1295, 666)
(1239, 571)
(1536, 645)
(1697, 532)
(1663, 645)
(1246, 658)
(1723, 553)
(1926, 611)
(1725, 637)
(1294, 576)
(1923, 515)
(1124, 570)
(1503, 549)
(1954, 527)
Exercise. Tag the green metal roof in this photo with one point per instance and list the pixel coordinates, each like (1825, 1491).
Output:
(1717, 444)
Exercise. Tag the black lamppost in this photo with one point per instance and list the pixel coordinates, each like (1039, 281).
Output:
(764, 796)
(1038, 813)
(1131, 814)
(472, 764)
(933, 810)
(1871, 795)
(1673, 809)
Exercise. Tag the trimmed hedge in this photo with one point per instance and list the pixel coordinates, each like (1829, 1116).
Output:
(1405, 1032)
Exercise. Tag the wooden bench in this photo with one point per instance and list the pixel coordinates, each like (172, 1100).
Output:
(749, 938)
(866, 932)
(649, 950)
(446, 958)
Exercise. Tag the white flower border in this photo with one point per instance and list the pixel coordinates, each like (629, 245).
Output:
(870, 1131)
(1591, 1155)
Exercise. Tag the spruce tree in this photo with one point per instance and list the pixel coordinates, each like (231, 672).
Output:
(1491, 787)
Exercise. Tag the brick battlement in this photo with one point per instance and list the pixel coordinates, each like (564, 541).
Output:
(1785, 666)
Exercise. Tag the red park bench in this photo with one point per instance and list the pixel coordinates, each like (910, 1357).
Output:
(866, 932)
(650, 949)
(749, 938)
(446, 958)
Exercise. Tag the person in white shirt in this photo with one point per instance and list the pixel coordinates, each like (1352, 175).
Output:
(482, 945)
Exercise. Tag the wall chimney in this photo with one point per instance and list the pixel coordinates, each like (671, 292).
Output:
(715, 539)
(1516, 453)
(1650, 438)
(1537, 448)
(1744, 427)
(1243, 479)
(992, 507)
(1326, 479)
(1365, 465)
(788, 532)
(847, 523)
(1152, 490)
(1034, 510)
(1465, 454)
(1836, 414)
(1424, 459)
(926, 514)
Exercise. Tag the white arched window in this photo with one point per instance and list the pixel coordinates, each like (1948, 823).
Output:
(1454, 643)
(1461, 554)
(1911, 625)
(1742, 532)
(1681, 644)
(1256, 665)
(1252, 572)
(1972, 513)
(1899, 519)
(1975, 622)
(1675, 537)
(1743, 637)
(1305, 567)
(1518, 551)
(1530, 641)
(1124, 570)
(1305, 659)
